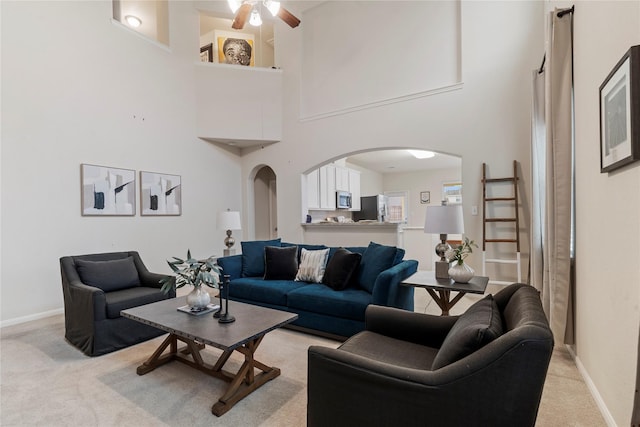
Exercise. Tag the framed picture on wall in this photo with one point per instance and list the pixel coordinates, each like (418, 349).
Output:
(206, 53)
(107, 191)
(235, 48)
(160, 194)
(620, 113)
(425, 197)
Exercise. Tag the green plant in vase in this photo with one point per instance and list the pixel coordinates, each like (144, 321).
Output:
(196, 273)
(459, 271)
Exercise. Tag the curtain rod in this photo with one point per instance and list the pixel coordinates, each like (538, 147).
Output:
(565, 11)
(560, 14)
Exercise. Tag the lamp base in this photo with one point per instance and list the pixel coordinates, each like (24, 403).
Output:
(229, 252)
(442, 270)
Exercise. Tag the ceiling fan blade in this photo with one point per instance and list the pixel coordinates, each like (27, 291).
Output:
(241, 16)
(288, 17)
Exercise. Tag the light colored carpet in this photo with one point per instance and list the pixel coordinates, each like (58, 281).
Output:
(47, 382)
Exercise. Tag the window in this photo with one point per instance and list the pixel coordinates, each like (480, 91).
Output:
(397, 206)
(452, 193)
(149, 18)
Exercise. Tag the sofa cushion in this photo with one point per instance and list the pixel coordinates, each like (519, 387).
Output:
(375, 259)
(302, 246)
(262, 291)
(475, 328)
(131, 297)
(280, 263)
(350, 303)
(108, 275)
(341, 268)
(312, 265)
(253, 256)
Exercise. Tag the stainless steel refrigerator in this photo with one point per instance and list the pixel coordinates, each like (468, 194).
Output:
(372, 208)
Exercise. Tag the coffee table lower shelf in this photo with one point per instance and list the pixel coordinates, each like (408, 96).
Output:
(241, 384)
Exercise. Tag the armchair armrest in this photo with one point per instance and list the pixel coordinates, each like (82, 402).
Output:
(418, 328)
(151, 280)
(86, 303)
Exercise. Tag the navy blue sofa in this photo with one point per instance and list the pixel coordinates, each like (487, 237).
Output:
(321, 309)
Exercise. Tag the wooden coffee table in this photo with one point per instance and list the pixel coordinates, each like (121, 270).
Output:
(244, 336)
(443, 287)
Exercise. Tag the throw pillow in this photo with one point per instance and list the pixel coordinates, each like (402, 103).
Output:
(375, 259)
(342, 266)
(477, 327)
(280, 263)
(110, 275)
(253, 256)
(312, 265)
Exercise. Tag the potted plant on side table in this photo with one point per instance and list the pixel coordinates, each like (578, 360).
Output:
(459, 271)
(195, 273)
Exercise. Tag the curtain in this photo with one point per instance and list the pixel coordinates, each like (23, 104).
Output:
(552, 171)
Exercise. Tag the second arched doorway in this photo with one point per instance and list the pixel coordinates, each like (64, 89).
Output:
(265, 204)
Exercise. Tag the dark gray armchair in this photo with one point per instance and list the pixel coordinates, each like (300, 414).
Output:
(96, 288)
(486, 367)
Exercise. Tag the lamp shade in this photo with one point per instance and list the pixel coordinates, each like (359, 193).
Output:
(228, 220)
(444, 220)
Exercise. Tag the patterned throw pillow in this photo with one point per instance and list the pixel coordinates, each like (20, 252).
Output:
(312, 265)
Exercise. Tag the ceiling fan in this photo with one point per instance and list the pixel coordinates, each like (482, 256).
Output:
(249, 9)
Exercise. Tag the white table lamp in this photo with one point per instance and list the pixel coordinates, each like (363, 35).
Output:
(229, 220)
(443, 220)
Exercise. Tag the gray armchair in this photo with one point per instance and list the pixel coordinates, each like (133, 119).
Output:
(96, 288)
(486, 367)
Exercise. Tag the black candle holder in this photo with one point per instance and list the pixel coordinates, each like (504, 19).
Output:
(225, 317)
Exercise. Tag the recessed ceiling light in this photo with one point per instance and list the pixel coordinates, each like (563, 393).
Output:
(133, 21)
(422, 154)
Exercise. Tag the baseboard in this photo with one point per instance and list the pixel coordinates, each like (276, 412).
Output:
(608, 418)
(24, 319)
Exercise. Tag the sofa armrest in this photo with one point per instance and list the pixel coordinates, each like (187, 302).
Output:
(419, 328)
(387, 289)
(231, 265)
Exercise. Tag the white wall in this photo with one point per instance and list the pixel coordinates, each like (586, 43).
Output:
(486, 121)
(77, 88)
(607, 212)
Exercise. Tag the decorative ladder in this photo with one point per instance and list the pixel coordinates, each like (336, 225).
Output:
(515, 220)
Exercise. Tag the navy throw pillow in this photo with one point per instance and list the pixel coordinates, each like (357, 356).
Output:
(253, 256)
(280, 263)
(475, 328)
(341, 268)
(375, 259)
(110, 275)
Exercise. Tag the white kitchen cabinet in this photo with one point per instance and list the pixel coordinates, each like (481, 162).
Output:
(321, 188)
(342, 179)
(313, 189)
(328, 187)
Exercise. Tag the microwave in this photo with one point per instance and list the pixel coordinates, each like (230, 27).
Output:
(343, 200)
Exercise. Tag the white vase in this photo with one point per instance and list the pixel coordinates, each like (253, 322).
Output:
(461, 273)
(198, 298)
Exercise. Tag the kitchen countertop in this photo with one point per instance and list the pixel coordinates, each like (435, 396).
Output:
(352, 224)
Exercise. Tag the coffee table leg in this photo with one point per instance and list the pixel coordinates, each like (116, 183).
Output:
(157, 359)
(245, 380)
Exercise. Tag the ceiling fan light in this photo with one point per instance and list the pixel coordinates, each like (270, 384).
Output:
(422, 154)
(234, 5)
(255, 18)
(133, 21)
(272, 6)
